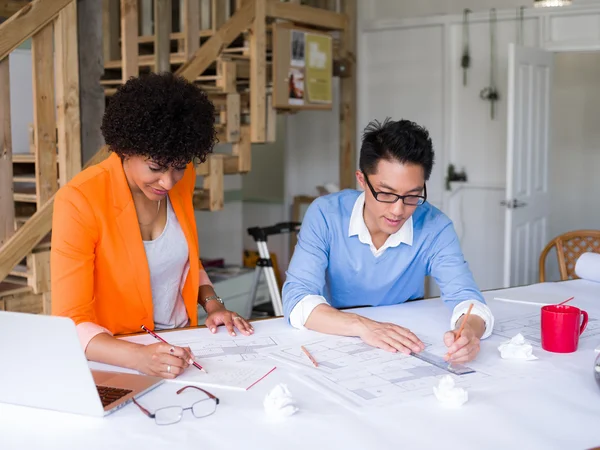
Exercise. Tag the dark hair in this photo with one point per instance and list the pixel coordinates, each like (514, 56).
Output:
(161, 116)
(403, 141)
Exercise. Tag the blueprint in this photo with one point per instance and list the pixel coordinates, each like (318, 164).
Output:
(529, 326)
(228, 349)
(332, 353)
(396, 380)
(359, 375)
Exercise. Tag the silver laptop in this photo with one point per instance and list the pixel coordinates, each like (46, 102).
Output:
(43, 366)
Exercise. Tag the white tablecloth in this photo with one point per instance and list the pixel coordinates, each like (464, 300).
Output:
(555, 405)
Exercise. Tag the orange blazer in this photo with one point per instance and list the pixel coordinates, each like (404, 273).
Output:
(99, 270)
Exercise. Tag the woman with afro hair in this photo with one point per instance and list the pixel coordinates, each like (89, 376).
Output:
(124, 241)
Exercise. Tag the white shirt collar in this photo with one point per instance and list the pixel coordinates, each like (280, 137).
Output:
(358, 227)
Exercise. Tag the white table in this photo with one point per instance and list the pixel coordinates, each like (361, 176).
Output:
(558, 407)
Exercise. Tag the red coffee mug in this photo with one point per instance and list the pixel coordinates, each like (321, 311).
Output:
(561, 327)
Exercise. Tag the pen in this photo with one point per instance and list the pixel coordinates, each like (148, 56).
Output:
(312, 360)
(152, 333)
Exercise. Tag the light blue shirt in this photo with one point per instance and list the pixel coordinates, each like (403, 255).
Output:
(331, 261)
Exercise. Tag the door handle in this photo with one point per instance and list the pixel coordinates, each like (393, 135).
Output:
(513, 204)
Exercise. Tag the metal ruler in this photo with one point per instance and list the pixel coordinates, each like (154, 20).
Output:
(438, 361)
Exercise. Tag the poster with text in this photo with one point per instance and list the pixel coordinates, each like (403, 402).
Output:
(318, 60)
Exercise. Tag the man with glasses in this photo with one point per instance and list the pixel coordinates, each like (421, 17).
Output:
(376, 247)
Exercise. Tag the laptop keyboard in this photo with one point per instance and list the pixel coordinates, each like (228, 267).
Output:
(109, 395)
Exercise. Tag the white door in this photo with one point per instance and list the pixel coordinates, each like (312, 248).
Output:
(527, 200)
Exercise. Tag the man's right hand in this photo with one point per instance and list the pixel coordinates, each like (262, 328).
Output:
(389, 337)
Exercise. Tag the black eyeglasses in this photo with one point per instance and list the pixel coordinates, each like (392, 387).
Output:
(388, 197)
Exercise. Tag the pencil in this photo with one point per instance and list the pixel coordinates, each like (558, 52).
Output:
(312, 360)
(462, 326)
(152, 333)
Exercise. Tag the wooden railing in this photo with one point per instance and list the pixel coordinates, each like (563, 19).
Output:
(52, 27)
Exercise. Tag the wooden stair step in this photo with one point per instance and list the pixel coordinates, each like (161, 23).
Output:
(146, 61)
(25, 178)
(44, 244)
(25, 194)
(23, 158)
(19, 271)
(9, 288)
(201, 199)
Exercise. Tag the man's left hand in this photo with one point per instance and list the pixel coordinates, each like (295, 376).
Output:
(463, 349)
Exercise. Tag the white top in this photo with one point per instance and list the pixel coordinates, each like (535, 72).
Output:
(168, 261)
(404, 235)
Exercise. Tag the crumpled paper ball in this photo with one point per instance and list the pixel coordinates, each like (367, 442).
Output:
(279, 402)
(448, 394)
(517, 348)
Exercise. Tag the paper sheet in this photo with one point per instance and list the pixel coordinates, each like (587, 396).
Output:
(229, 376)
(529, 326)
(359, 375)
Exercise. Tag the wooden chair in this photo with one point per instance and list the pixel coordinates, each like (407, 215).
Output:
(569, 246)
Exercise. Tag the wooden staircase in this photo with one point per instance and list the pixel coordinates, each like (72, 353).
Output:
(231, 61)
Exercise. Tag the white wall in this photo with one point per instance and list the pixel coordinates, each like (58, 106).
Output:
(575, 150)
(21, 99)
(220, 232)
(394, 9)
(312, 149)
(403, 80)
(395, 76)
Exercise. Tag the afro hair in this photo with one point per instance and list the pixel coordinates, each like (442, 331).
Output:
(162, 117)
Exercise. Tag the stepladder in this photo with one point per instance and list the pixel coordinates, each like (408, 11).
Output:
(264, 264)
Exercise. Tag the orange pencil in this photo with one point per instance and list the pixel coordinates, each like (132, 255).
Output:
(462, 326)
(312, 360)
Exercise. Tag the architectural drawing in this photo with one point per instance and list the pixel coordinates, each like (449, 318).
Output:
(529, 326)
(231, 349)
(399, 379)
(332, 353)
(359, 375)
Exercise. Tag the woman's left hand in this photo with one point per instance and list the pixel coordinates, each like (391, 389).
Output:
(221, 316)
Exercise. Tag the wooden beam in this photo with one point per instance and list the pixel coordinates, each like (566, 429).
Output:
(213, 182)
(227, 72)
(9, 7)
(47, 303)
(67, 94)
(218, 14)
(129, 39)
(191, 27)
(271, 120)
(233, 111)
(348, 99)
(44, 119)
(110, 30)
(162, 32)
(39, 266)
(306, 15)
(258, 73)
(211, 49)
(243, 150)
(91, 68)
(7, 205)
(27, 22)
(35, 229)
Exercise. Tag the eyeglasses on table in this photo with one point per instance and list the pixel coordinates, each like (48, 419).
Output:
(169, 415)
